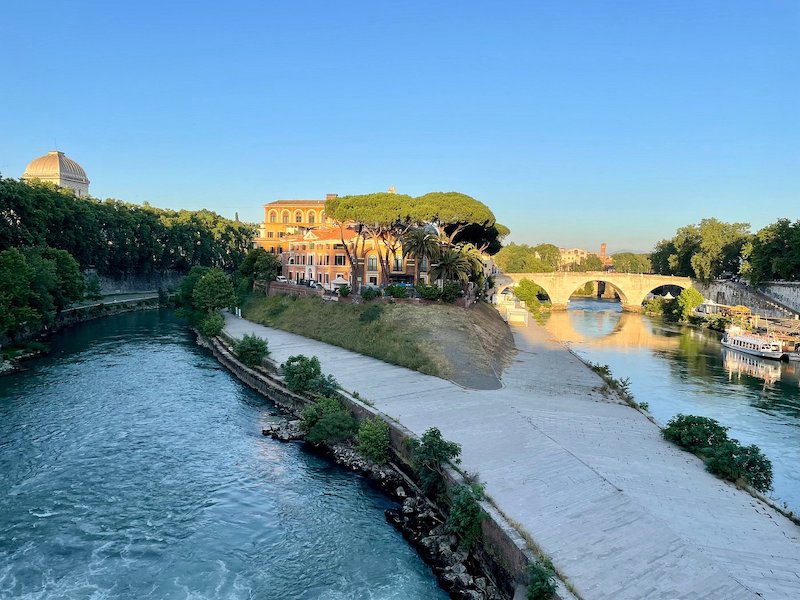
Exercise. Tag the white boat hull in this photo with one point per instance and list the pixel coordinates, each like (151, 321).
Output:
(775, 355)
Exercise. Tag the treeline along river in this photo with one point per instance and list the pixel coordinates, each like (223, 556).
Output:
(682, 369)
(132, 466)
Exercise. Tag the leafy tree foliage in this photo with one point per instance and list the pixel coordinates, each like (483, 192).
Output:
(452, 265)
(186, 290)
(303, 374)
(213, 291)
(590, 263)
(35, 285)
(687, 301)
(628, 262)
(703, 251)
(259, 265)
(116, 237)
(521, 258)
(695, 433)
(773, 253)
(529, 293)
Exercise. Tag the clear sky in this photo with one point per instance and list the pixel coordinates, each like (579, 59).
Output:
(576, 122)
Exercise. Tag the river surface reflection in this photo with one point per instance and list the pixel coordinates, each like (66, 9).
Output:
(681, 369)
(132, 466)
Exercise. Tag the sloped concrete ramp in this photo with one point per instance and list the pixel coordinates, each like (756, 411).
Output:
(622, 513)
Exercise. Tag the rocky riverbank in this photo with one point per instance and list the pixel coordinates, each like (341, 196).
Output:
(420, 521)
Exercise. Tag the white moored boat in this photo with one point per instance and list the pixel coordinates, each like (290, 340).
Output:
(758, 345)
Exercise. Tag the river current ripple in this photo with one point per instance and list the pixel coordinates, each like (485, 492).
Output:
(132, 466)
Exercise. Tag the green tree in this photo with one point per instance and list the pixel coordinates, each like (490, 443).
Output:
(628, 262)
(213, 291)
(251, 350)
(521, 258)
(452, 265)
(529, 293)
(186, 289)
(259, 265)
(590, 263)
(16, 295)
(422, 244)
(687, 301)
(373, 440)
(773, 253)
(453, 211)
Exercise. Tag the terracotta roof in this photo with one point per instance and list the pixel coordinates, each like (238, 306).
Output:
(321, 203)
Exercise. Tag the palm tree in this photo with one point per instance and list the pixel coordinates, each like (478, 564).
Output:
(453, 265)
(420, 243)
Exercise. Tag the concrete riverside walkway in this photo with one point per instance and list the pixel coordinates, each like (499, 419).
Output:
(622, 513)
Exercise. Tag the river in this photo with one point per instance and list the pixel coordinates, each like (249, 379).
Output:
(132, 466)
(682, 369)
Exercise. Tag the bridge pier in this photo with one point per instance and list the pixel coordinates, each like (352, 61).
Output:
(631, 308)
(558, 306)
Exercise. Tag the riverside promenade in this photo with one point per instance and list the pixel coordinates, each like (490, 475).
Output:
(622, 513)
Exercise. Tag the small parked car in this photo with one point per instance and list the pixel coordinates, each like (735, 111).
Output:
(281, 279)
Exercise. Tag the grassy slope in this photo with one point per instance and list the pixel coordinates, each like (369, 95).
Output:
(468, 346)
(341, 324)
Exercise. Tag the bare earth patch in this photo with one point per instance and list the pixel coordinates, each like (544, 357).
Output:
(471, 347)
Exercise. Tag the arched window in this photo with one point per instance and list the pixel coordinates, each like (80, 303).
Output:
(312, 216)
(273, 216)
(298, 217)
(285, 216)
(372, 263)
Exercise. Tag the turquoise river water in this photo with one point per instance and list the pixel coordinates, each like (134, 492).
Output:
(132, 466)
(681, 369)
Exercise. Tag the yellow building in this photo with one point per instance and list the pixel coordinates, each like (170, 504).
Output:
(56, 167)
(310, 247)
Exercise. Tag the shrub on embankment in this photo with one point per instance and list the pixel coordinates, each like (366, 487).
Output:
(251, 350)
(303, 374)
(373, 440)
(327, 422)
(725, 457)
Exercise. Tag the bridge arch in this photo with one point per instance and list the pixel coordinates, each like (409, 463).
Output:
(632, 288)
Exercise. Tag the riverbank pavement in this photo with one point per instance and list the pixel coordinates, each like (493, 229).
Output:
(622, 513)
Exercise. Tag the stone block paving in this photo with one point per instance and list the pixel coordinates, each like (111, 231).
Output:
(622, 513)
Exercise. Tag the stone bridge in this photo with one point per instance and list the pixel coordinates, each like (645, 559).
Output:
(632, 288)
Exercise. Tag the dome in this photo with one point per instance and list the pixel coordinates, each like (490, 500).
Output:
(56, 167)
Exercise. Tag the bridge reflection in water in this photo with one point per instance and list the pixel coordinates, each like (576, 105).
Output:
(610, 328)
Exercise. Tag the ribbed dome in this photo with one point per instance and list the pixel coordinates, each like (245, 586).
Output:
(55, 164)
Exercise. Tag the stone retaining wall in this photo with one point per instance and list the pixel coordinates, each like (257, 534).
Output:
(786, 292)
(503, 552)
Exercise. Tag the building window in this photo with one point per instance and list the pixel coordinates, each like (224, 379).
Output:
(310, 259)
(397, 264)
(424, 264)
(298, 217)
(311, 217)
(372, 263)
(273, 216)
(338, 260)
(285, 216)
(373, 280)
(281, 233)
(270, 234)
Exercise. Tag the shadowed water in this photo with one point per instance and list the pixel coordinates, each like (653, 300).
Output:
(132, 466)
(681, 369)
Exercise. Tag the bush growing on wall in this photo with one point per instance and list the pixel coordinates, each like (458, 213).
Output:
(303, 374)
(211, 325)
(466, 514)
(344, 290)
(430, 453)
(541, 580)
(251, 350)
(373, 440)
(326, 421)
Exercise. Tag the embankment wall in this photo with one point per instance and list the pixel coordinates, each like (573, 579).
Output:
(733, 294)
(138, 283)
(786, 292)
(503, 552)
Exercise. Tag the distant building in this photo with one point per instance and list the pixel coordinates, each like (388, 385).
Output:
(572, 256)
(310, 247)
(56, 167)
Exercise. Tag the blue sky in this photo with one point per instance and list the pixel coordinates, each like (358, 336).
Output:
(576, 122)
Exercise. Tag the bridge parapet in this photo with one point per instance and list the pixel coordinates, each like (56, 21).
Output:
(559, 286)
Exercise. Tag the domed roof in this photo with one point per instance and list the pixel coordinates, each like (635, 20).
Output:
(55, 166)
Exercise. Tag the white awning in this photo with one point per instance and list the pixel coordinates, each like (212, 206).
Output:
(340, 281)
